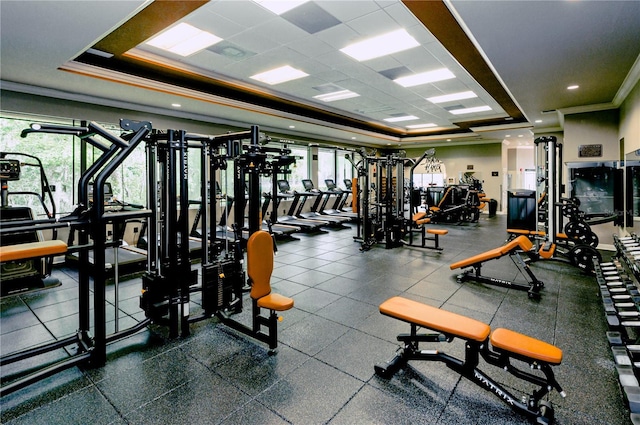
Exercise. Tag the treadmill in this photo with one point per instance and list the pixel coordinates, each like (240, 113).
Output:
(312, 192)
(333, 190)
(284, 192)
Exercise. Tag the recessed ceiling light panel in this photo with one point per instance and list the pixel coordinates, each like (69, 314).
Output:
(429, 125)
(470, 110)
(338, 95)
(402, 118)
(183, 39)
(279, 75)
(381, 45)
(425, 77)
(452, 97)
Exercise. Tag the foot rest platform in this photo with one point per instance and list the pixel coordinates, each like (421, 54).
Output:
(434, 318)
(439, 232)
(521, 242)
(29, 250)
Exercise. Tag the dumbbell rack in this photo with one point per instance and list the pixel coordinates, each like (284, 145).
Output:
(618, 281)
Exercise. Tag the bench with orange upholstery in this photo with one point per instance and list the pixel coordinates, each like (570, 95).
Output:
(260, 254)
(418, 221)
(496, 348)
(512, 248)
(26, 251)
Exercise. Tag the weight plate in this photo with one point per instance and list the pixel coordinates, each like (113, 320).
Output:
(582, 256)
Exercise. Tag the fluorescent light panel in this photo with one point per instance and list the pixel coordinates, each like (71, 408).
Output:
(425, 77)
(429, 125)
(470, 110)
(184, 40)
(279, 75)
(400, 119)
(280, 6)
(381, 45)
(337, 95)
(451, 97)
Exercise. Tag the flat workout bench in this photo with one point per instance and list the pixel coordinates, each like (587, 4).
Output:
(496, 348)
(26, 251)
(511, 248)
(418, 221)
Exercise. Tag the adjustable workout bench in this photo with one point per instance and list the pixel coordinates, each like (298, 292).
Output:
(26, 251)
(260, 253)
(513, 249)
(29, 251)
(418, 221)
(496, 348)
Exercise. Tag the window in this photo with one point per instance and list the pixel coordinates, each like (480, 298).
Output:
(326, 166)
(344, 169)
(300, 170)
(55, 151)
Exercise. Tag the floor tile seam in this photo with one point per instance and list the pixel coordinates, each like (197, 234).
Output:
(364, 384)
(324, 346)
(123, 415)
(350, 328)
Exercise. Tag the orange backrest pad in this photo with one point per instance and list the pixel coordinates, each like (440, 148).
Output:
(260, 263)
(31, 250)
(354, 194)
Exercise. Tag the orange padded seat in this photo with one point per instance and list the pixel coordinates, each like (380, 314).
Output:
(418, 216)
(438, 231)
(521, 242)
(25, 251)
(525, 346)
(434, 318)
(259, 268)
(526, 232)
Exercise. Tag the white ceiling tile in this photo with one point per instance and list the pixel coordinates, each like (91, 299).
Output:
(215, 24)
(248, 40)
(310, 46)
(338, 36)
(243, 12)
(279, 30)
(372, 24)
(348, 10)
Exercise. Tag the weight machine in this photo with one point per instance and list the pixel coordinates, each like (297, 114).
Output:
(574, 242)
(91, 222)
(171, 279)
(381, 220)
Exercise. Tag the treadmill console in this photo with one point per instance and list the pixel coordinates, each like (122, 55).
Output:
(283, 186)
(9, 169)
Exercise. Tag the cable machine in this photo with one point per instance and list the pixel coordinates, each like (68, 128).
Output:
(91, 221)
(574, 242)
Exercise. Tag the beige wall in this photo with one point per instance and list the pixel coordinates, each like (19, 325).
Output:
(485, 158)
(589, 128)
(630, 120)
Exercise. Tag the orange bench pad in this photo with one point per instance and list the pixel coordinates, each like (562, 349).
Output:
(526, 346)
(521, 242)
(434, 318)
(275, 302)
(25, 251)
(526, 232)
(418, 216)
(437, 231)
